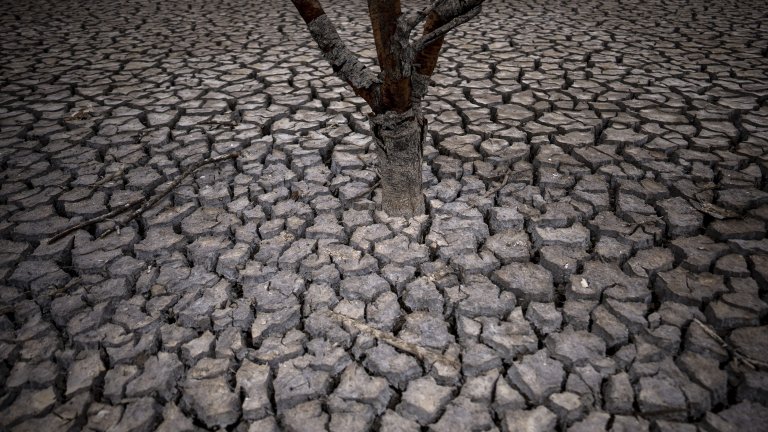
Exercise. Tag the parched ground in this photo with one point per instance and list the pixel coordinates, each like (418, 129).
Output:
(594, 257)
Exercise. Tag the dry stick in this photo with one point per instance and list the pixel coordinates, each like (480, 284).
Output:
(86, 223)
(750, 362)
(109, 178)
(155, 199)
(82, 114)
(127, 206)
(214, 123)
(499, 187)
(713, 210)
(422, 353)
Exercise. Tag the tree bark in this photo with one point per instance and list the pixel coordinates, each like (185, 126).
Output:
(398, 128)
(399, 141)
(344, 62)
(391, 53)
(426, 59)
(443, 13)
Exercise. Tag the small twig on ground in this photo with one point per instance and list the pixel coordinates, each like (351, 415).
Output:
(649, 223)
(217, 121)
(503, 183)
(155, 199)
(86, 223)
(713, 210)
(109, 178)
(69, 285)
(145, 203)
(421, 353)
(81, 114)
(739, 357)
(215, 124)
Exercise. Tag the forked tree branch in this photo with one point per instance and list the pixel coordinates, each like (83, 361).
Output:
(409, 20)
(344, 62)
(440, 20)
(405, 68)
(394, 54)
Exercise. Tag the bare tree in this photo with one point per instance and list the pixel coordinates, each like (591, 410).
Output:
(395, 94)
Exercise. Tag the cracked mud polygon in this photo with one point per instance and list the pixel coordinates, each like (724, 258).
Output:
(615, 278)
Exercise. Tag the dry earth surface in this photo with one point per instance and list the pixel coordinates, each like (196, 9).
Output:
(594, 257)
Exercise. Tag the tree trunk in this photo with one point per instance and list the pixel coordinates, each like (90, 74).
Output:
(395, 94)
(398, 129)
(399, 139)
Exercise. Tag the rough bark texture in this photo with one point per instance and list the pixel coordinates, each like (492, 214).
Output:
(399, 141)
(344, 62)
(391, 52)
(441, 15)
(395, 95)
(426, 59)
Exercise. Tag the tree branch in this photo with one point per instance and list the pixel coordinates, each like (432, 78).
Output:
(344, 62)
(174, 184)
(410, 20)
(393, 52)
(423, 354)
(442, 12)
(144, 203)
(738, 356)
(84, 224)
(443, 29)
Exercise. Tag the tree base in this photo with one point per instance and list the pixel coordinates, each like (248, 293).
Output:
(399, 139)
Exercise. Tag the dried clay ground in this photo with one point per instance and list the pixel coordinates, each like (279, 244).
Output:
(593, 257)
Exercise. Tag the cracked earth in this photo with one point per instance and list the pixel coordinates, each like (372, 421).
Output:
(594, 257)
